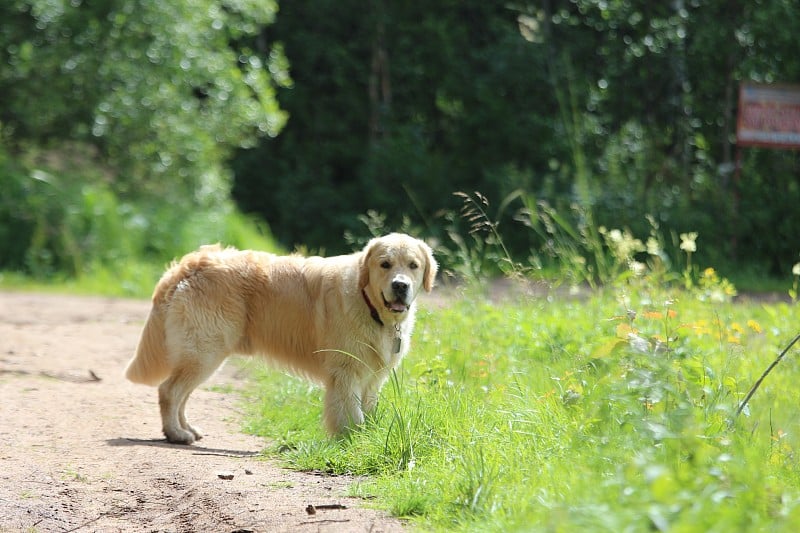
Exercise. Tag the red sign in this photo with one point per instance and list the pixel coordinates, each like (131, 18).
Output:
(769, 115)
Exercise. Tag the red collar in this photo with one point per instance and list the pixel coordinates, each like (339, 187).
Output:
(372, 311)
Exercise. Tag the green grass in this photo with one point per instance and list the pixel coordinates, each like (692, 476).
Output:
(570, 416)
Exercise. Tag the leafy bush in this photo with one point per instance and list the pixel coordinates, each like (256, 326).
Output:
(67, 222)
(163, 91)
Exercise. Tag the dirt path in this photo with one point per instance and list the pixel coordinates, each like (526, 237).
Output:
(81, 448)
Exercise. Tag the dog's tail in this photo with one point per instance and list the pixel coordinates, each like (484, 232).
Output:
(150, 365)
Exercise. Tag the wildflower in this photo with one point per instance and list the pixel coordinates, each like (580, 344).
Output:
(780, 435)
(654, 247)
(701, 327)
(638, 269)
(796, 269)
(623, 244)
(688, 242)
(755, 326)
(714, 288)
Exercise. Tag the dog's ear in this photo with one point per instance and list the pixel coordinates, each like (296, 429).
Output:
(363, 266)
(431, 267)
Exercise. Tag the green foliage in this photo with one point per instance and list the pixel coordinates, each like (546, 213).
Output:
(62, 221)
(616, 412)
(576, 252)
(564, 415)
(163, 90)
(394, 108)
(604, 112)
(624, 109)
(116, 124)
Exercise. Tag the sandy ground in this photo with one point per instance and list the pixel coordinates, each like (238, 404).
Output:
(81, 448)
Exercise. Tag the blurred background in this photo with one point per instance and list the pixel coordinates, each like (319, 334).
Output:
(133, 131)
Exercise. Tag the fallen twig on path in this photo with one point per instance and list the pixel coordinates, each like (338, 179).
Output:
(312, 509)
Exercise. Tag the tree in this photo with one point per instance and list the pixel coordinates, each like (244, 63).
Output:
(117, 120)
(164, 90)
(395, 107)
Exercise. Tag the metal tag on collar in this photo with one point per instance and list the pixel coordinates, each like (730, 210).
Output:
(397, 341)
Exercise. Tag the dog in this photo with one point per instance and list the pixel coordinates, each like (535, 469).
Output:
(344, 322)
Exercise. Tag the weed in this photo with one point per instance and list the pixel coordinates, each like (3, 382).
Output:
(476, 480)
(483, 252)
(70, 474)
(398, 448)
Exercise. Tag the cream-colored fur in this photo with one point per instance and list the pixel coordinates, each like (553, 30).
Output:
(310, 314)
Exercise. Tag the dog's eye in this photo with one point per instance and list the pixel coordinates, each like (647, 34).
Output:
(386, 264)
(413, 265)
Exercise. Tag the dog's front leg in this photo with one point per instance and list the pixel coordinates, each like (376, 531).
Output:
(342, 407)
(369, 396)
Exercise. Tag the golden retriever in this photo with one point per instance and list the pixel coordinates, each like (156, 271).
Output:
(343, 321)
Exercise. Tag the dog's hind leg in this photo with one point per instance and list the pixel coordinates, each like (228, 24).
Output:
(175, 391)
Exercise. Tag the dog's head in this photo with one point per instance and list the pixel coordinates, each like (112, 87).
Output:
(393, 271)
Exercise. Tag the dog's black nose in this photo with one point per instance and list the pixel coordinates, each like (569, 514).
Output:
(400, 288)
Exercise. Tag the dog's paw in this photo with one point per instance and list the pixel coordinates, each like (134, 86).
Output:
(180, 436)
(194, 430)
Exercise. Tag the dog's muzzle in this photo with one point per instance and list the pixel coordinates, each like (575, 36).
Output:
(400, 299)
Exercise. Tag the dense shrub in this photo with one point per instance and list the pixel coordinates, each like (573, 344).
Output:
(67, 220)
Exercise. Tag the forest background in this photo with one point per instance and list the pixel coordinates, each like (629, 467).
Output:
(131, 132)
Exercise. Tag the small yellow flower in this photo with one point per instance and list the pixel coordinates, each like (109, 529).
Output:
(755, 326)
(701, 327)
